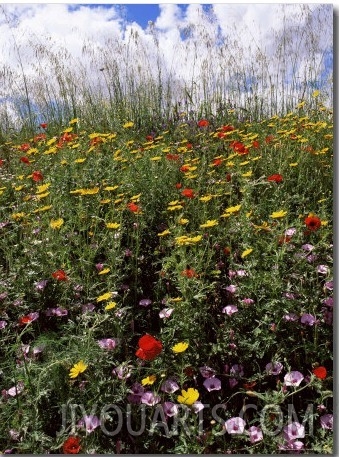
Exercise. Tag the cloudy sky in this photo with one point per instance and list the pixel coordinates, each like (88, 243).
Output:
(182, 39)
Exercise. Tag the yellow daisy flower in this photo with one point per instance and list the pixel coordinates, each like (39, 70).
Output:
(188, 397)
(278, 214)
(179, 347)
(78, 368)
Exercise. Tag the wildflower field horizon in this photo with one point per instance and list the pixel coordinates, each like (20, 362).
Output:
(170, 290)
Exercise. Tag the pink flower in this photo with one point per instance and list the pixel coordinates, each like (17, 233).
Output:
(170, 409)
(326, 421)
(323, 269)
(90, 423)
(255, 434)
(294, 431)
(308, 319)
(107, 343)
(248, 301)
(235, 426)
(231, 288)
(150, 399)
(274, 368)
(293, 378)
(169, 386)
(212, 384)
(207, 372)
(166, 312)
(230, 309)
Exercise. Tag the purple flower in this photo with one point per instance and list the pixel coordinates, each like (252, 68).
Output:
(328, 302)
(235, 426)
(323, 269)
(2, 324)
(307, 247)
(237, 370)
(229, 310)
(166, 312)
(308, 319)
(290, 296)
(150, 399)
(290, 317)
(248, 301)
(328, 316)
(137, 391)
(212, 384)
(311, 258)
(293, 378)
(90, 423)
(290, 231)
(241, 273)
(294, 431)
(33, 316)
(99, 266)
(107, 343)
(169, 386)
(206, 372)
(255, 434)
(123, 371)
(197, 406)
(145, 302)
(329, 285)
(40, 285)
(326, 421)
(88, 307)
(274, 368)
(3, 295)
(16, 390)
(60, 311)
(231, 289)
(232, 382)
(170, 409)
(294, 445)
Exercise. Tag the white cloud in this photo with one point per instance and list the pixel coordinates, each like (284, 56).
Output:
(230, 48)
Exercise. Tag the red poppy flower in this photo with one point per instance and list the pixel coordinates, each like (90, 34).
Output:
(188, 193)
(275, 178)
(320, 372)
(184, 168)
(189, 146)
(228, 177)
(40, 137)
(313, 223)
(96, 140)
(1, 162)
(71, 445)
(25, 320)
(60, 275)
(189, 273)
(43, 125)
(172, 156)
(269, 139)
(25, 147)
(217, 162)
(203, 123)
(239, 147)
(149, 348)
(149, 138)
(133, 207)
(256, 144)
(37, 176)
(25, 160)
(227, 128)
(178, 185)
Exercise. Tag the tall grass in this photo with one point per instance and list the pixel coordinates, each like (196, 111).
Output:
(129, 78)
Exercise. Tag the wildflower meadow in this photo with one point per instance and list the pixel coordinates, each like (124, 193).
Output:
(167, 288)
